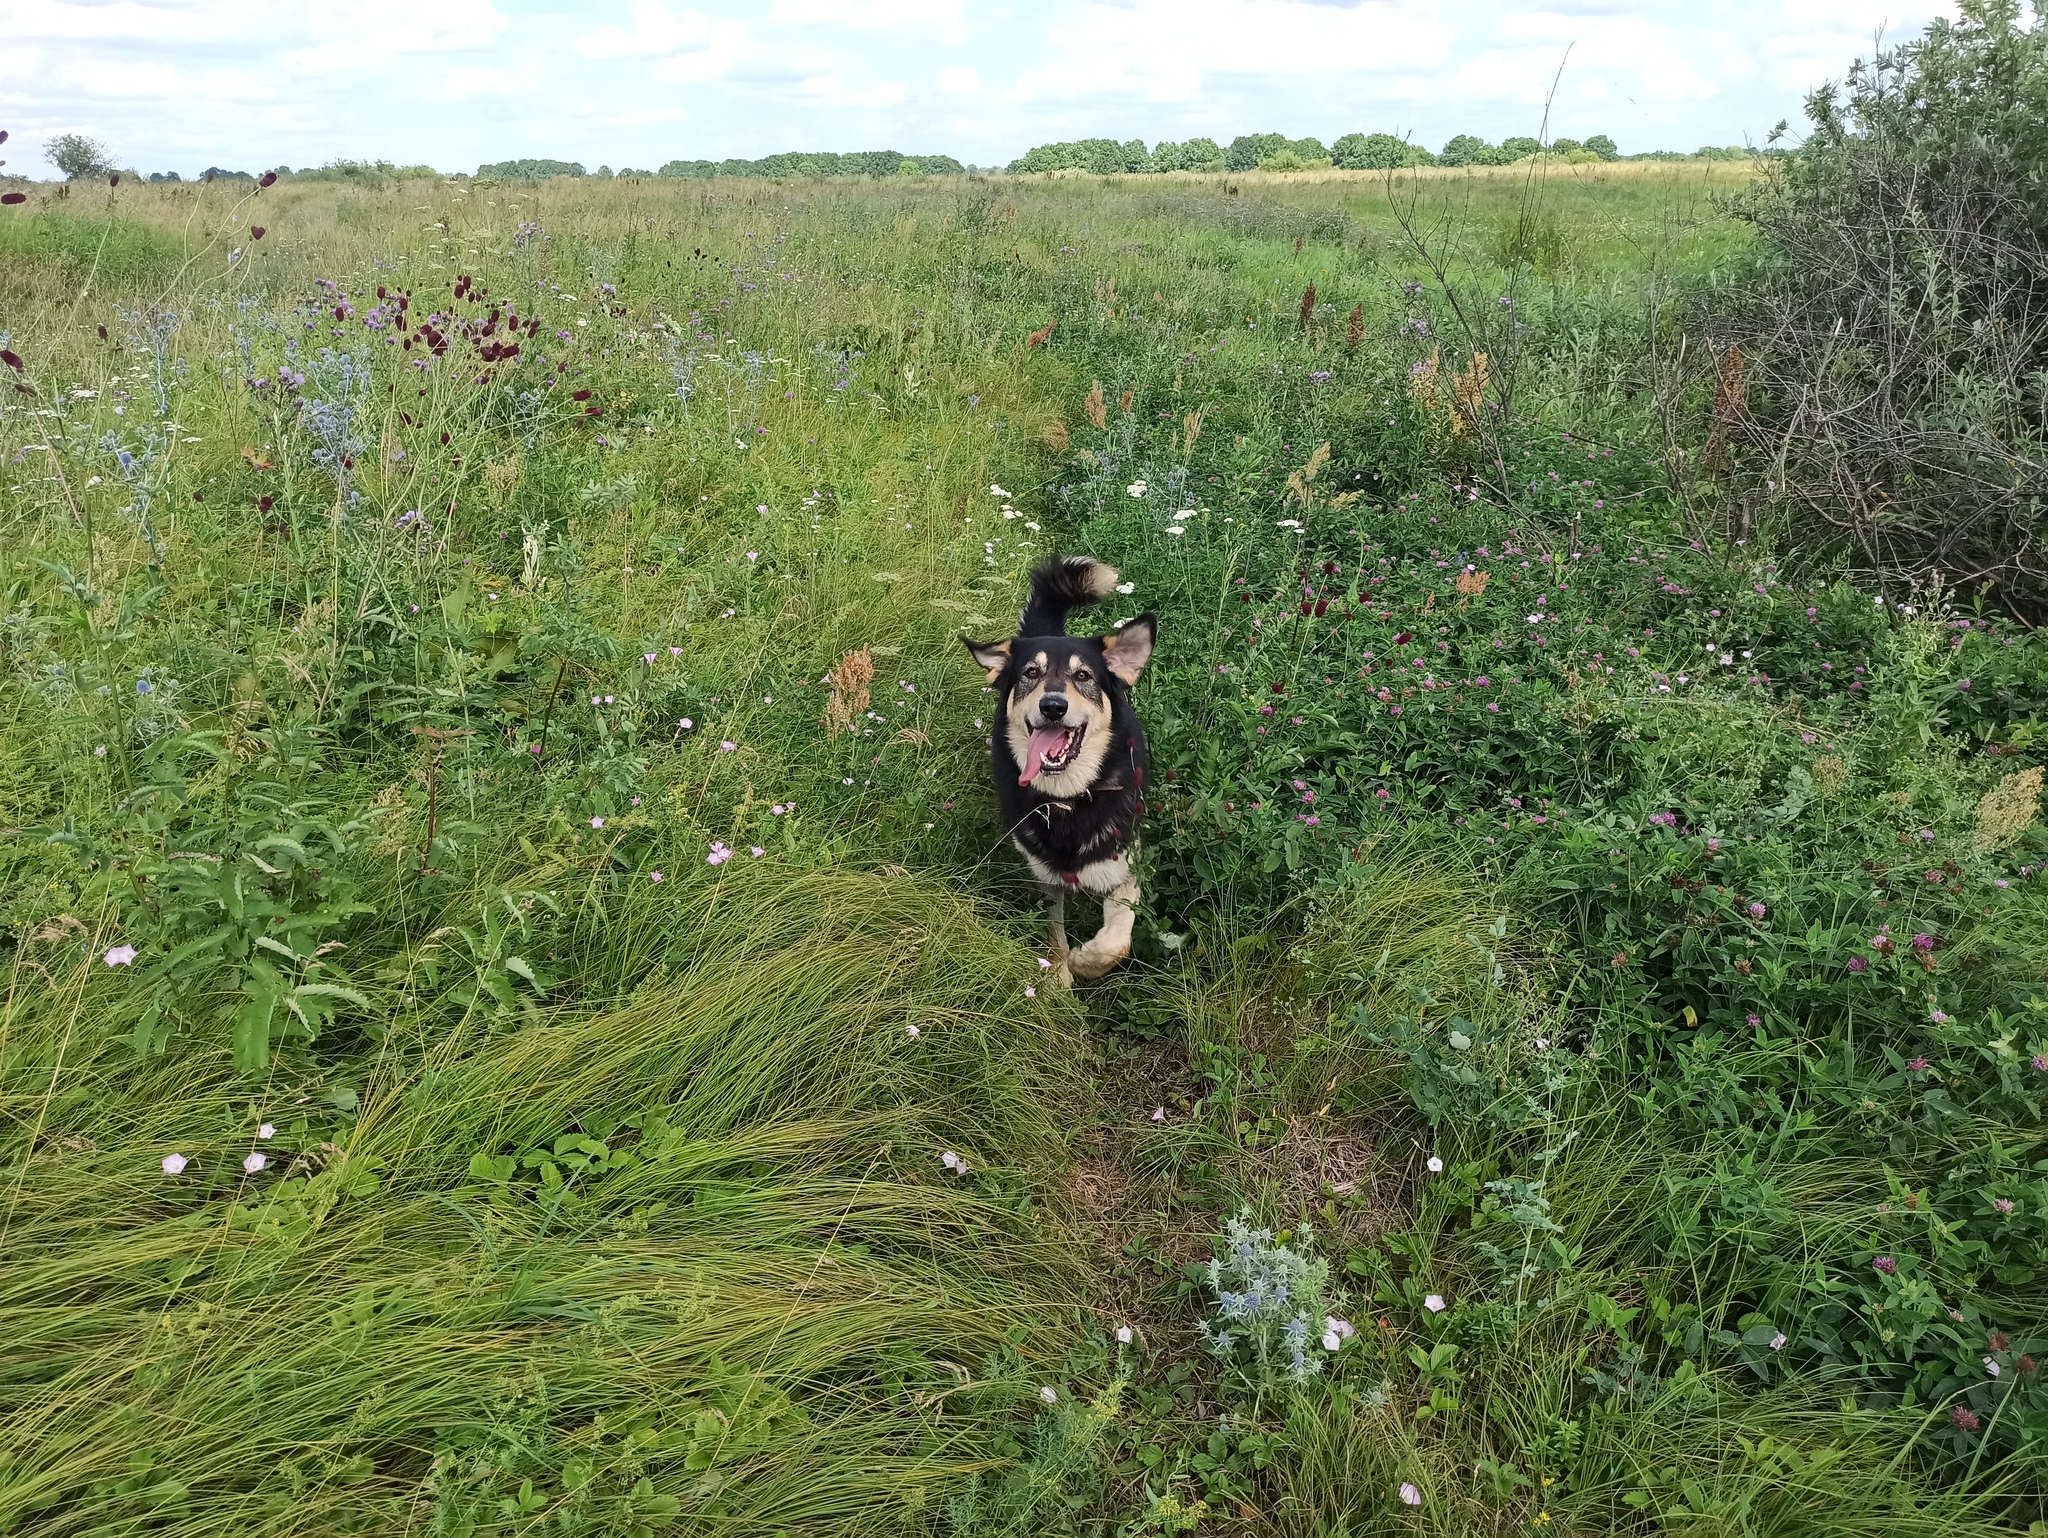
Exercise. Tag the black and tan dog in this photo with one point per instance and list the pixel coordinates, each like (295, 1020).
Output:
(1069, 756)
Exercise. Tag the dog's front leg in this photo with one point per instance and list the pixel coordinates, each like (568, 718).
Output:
(1112, 941)
(1056, 904)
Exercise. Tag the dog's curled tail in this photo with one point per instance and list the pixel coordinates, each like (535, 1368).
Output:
(1062, 583)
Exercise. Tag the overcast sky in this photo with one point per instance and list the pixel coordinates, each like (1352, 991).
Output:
(246, 84)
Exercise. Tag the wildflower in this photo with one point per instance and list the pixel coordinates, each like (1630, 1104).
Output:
(2040, 1061)
(1618, 959)
(1858, 964)
(727, 746)
(753, 555)
(1757, 910)
(1923, 943)
(1754, 1021)
(1917, 1065)
(1435, 1165)
(756, 850)
(2001, 1205)
(648, 657)
(952, 1161)
(655, 876)
(1136, 488)
(1884, 1265)
(719, 854)
(254, 1162)
(1159, 1114)
(1963, 1419)
(267, 1131)
(1991, 1366)
(1410, 1496)
(597, 822)
(119, 956)
(1127, 587)
(1030, 993)
(1049, 1394)
(996, 491)
(1123, 1335)
(1434, 1303)
(1778, 1341)
(174, 1164)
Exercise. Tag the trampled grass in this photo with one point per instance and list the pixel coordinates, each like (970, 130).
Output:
(451, 732)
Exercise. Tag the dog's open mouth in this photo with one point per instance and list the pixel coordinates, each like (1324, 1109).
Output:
(1051, 749)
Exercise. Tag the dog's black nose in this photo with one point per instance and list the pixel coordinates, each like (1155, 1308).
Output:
(1053, 708)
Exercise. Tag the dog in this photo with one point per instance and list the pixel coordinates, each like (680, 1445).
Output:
(1068, 756)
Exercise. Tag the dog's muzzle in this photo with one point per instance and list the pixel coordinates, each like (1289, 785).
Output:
(1052, 747)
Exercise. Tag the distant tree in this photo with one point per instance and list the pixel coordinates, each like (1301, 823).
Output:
(1377, 152)
(529, 170)
(937, 165)
(1564, 146)
(219, 174)
(1469, 150)
(165, 176)
(630, 171)
(1518, 148)
(1603, 146)
(695, 168)
(78, 157)
(1247, 150)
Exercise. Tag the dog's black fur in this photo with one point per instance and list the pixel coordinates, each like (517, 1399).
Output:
(1076, 821)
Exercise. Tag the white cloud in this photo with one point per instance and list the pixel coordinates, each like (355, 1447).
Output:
(865, 13)
(472, 81)
(958, 80)
(656, 30)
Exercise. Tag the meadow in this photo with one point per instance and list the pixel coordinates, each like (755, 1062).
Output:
(520, 1017)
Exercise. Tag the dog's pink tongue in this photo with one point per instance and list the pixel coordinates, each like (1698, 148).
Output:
(1043, 741)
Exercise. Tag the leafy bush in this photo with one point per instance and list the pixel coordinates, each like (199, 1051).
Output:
(1894, 326)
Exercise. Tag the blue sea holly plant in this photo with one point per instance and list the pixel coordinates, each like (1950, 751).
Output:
(1270, 1326)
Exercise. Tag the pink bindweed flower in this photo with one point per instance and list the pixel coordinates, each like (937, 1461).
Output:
(1410, 1496)
(1123, 1335)
(656, 876)
(756, 850)
(174, 1164)
(120, 956)
(912, 1032)
(1778, 1341)
(1159, 1113)
(253, 1163)
(1049, 1394)
(719, 854)
(597, 822)
(1030, 993)
(727, 747)
(1435, 1303)
(1435, 1165)
(267, 1131)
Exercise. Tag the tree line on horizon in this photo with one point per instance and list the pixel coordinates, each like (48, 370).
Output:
(80, 157)
(1352, 152)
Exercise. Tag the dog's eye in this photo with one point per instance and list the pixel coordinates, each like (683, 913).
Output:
(1032, 673)
(1082, 675)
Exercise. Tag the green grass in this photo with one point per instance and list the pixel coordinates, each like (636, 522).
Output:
(606, 1190)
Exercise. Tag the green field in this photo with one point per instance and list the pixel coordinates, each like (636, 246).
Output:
(492, 651)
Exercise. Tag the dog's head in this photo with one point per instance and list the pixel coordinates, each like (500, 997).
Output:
(1060, 692)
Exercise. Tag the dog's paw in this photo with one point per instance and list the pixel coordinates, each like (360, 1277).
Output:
(1060, 977)
(1091, 961)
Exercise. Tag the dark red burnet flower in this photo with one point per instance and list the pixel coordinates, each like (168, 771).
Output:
(267, 179)
(114, 179)
(1403, 638)
(12, 359)
(12, 198)
(257, 231)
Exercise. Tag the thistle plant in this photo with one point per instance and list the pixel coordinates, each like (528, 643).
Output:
(1270, 1317)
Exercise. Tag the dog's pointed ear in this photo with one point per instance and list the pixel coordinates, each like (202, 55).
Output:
(993, 655)
(1129, 649)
